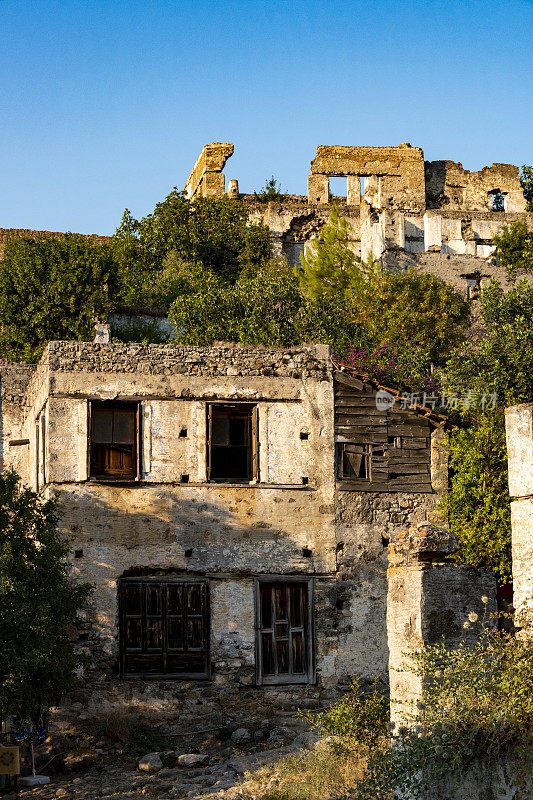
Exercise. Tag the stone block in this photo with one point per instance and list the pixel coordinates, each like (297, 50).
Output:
(432, 232)
(519, 435)
(318, 189)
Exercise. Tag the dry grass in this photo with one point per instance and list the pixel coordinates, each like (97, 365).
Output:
(129, 728)
(310, 775)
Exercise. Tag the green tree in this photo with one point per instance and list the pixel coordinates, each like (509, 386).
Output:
(514, 246)
(526, 179)
(478, 504)
(502, 362)
(270, 192)
(52, 289)
(213, 232)
(38, 605)
(330, 266)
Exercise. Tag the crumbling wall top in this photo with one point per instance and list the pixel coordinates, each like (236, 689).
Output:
(340, 160)
(422, 542)
(206, 179)
(223, 359)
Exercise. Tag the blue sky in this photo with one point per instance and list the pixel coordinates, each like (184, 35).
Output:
(106, 104)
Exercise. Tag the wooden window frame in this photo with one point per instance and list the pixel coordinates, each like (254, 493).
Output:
(366, 455)
(253, 447)
(137, 442)
(162, 580)
(281, 680)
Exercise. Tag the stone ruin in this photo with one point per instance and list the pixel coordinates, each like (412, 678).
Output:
(430, 216)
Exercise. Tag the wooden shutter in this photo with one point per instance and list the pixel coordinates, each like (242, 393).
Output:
(255, 444)
(164, 628)
(283, 631)
(209, 439)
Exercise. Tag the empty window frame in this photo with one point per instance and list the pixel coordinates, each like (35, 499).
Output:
(232, 443)
(354, 461)
(498, 199)
(164, 628)
(284, 630)
(114, 440)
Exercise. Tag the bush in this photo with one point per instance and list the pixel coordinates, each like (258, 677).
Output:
(38, 605)
(478, 706)
(359, 718)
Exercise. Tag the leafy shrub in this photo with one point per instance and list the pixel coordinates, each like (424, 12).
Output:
(477, 505)
(478, 706)
(143, 332)
(270, 192)
(38, 605)
(359, 718)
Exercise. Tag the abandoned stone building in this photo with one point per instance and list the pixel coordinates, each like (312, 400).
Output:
(232, 507)
(430, 216)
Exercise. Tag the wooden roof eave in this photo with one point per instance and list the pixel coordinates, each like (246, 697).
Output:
(435, 419)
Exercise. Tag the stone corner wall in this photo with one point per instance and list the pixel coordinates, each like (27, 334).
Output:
(429, 598)
(519, 435)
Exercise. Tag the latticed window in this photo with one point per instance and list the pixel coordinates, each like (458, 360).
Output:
(284, 631)
(114, 451)
(164, 627)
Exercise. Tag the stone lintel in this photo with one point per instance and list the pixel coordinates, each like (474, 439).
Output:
(340, 160)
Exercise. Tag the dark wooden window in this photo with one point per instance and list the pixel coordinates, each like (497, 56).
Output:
(284, 631)
(164, 627)
(353, 461)
(359, 462)
(114, 451)
(232, 443)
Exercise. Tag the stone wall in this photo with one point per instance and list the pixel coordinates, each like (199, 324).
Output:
(519, 433)
(14, 447)
(430, 598)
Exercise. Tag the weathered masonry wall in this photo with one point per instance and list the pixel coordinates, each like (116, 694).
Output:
(519, 433)
(14, 447)
(391, 175)
(295, 520)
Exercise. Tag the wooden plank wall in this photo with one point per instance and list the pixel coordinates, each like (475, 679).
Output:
(400, 440)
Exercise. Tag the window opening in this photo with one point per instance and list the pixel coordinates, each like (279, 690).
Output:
(284, 631)
(354, 461)
(114, 440)
(164, 628)
(233, 448)
(498, 199)
(473, 287)
(338, 187)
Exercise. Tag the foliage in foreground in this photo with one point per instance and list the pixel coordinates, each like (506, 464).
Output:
(359, 718)
(477, 505)
(38, 605)
(52, 289)
(478, 706)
